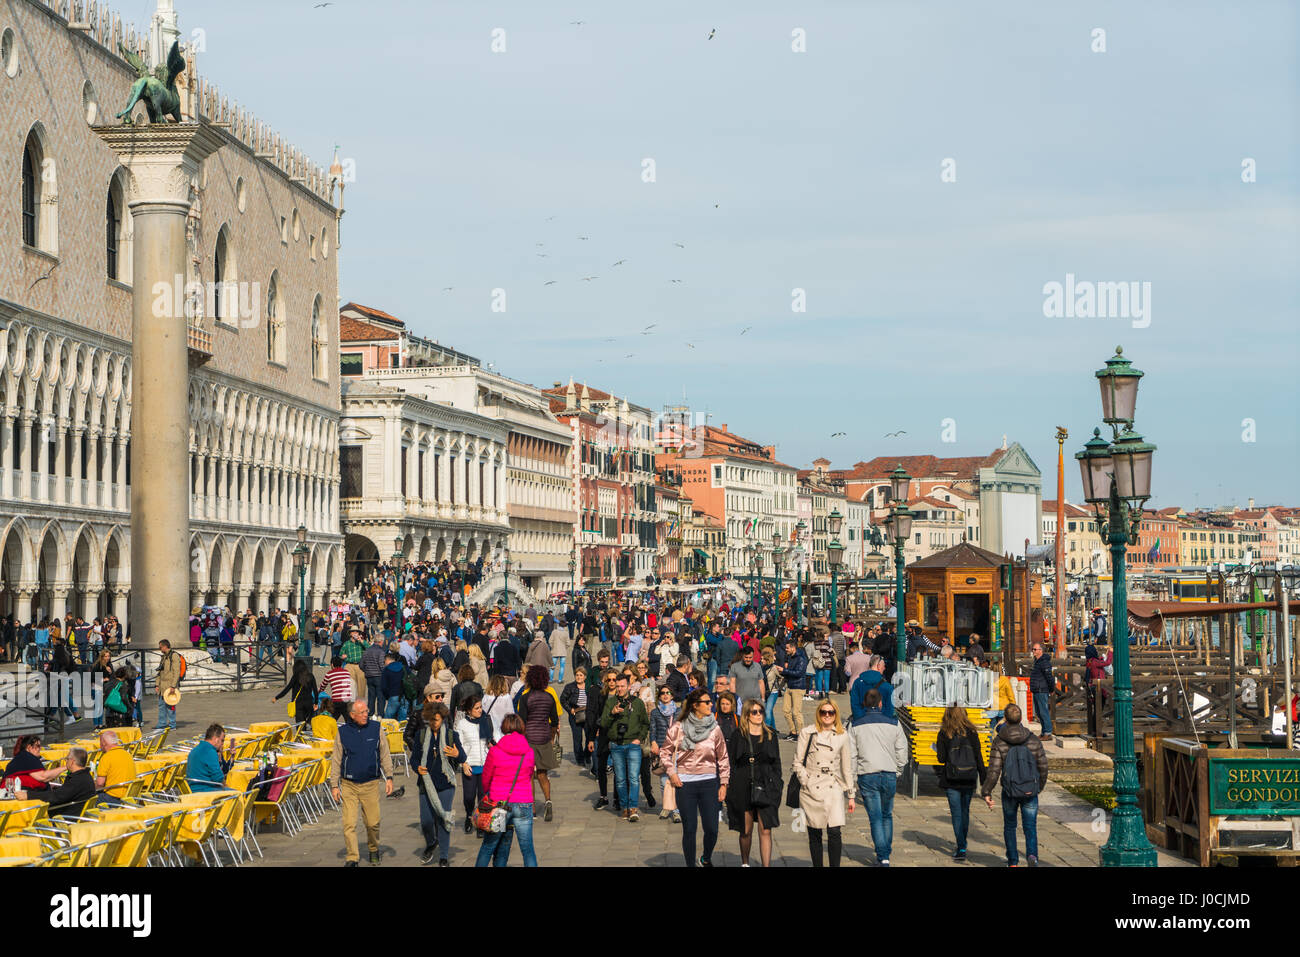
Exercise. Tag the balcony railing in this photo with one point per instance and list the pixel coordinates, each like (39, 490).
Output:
(200, 343)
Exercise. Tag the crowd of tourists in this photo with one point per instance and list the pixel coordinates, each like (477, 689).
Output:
(677, 702)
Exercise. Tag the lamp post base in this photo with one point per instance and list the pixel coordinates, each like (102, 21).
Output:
(1127, 856)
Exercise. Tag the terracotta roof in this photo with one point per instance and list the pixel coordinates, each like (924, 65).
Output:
(922, 466)
(928, 500)
(1071, 510)
(371, 312)
(354, 330)
(963, 555)
(596, 394)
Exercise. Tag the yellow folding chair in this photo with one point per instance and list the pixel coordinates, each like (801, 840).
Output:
(67, 856)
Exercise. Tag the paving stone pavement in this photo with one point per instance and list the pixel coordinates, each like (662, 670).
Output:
(582, 837)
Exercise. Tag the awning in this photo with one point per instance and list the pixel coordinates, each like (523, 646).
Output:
(701, 554)
(1196, 609)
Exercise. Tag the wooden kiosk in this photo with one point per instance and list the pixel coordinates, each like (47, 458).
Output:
(960, 591)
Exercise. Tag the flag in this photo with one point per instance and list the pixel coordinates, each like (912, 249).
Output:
(1155, 550)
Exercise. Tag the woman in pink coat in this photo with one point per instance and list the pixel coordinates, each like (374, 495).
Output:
(508, 776)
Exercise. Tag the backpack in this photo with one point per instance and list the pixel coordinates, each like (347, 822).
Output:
(185, 667)
(408, 684)
(961, 766)
(1019, 773)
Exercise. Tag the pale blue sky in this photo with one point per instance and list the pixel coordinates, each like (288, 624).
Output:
(924, 298)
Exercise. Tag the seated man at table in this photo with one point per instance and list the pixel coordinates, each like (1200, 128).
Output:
(205, 769)
(115, 768)
(70, 796)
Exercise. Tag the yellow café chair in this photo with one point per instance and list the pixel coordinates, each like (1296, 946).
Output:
(68, 856)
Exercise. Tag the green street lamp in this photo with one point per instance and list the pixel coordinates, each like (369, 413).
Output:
(300, 566)
(778, 557)
(399, 543)
(834, 553)
(503, 553)
(1117, 483)
(900, 520)
(573, 569)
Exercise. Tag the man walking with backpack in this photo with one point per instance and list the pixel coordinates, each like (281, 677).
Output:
(1018, 758)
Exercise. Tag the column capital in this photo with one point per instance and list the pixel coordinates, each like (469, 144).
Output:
(160, 159)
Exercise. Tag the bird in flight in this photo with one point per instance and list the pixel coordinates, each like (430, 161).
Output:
(651, 326)
(620, 262)
(690, 345)
(745, 330)
(890, 435)
(583, 238)
(539, 244)
(589, 278)
(550, 282)
(630, 355)
(715, 205)
(548, 219)
(448, 288)
(711, 32)
(836, 435)
(320, 6)
(674, 280)
(680, 245)
(576, 23)
(40, 279)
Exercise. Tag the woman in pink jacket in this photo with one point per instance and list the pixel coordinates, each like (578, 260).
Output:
(508, 776)
(695, 756)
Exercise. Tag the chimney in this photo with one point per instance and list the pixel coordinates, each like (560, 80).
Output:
(770, 451)
(724, 427)
(1250, 503)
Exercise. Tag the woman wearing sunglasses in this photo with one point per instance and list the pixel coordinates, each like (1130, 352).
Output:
(824, 765)
(755, 787)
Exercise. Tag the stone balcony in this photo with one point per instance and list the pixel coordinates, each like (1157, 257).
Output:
(200, 344)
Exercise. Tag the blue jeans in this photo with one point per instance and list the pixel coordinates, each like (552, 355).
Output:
(627, 773)
(822, 680)
(877, 790)
(166, 714)
(1043, 711)
(495, 848)
(431, 825)
(395, 707)
(374, 700)
(959, 807)
(769, 710)
(712, 671)
(557, 672)
(1029, 815)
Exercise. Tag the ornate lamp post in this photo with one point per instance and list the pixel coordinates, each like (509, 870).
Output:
(1117, 483)
(778, 556)
(834, 555)
(900, 520)
(300, 566)
(399, 543)
(573, 567)
(503, 555)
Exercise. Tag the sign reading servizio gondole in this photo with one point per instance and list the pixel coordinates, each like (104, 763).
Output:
(1250, 786)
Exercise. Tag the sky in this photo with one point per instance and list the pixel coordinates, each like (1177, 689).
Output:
(920, 171)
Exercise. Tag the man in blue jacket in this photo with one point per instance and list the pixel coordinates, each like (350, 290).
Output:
(873, 677)
(1040, 686)
(795, 673)
(711, 640)
(204, 769)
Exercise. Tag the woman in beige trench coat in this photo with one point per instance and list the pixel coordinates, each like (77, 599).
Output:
(823, 760)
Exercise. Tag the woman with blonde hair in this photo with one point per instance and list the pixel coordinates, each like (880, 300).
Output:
(755, 785)
(823, 763)
(443, 677)
(479, 663)
(496, 701)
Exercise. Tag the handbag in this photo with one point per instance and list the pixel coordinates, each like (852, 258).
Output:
(490, 816)
(792, 790)
(558, 749)
(760, 791)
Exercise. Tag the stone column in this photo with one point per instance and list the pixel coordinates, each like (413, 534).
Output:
(78, 431)
(6, 452)
(90, 603)
(59, 594)
(160, 159)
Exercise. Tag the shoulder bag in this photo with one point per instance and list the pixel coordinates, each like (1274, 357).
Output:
(490, 817)
(792, 789)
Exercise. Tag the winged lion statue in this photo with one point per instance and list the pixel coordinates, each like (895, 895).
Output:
(156, 88)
